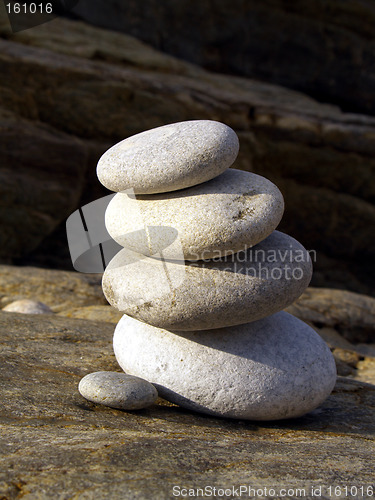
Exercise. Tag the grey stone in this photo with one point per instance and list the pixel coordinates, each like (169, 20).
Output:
(209, 294)
(225, 215)
(168, 158)
(27, 306)
(118, 390)
(270, 369)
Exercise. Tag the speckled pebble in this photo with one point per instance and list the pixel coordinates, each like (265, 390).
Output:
(168, 158)
(274, 368)
(225, 215)
(27, 306)
(118, 390)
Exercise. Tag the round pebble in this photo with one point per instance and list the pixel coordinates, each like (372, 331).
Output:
(118, 390)
(26, 306)
(209, 294)
(168, 158)
(221, 216)
(271, 369)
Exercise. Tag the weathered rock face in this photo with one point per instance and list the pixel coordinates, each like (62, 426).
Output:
(58, 445)
(103, 87)
(38, 164)
(322, 48)
(60, 290)
(351, 314)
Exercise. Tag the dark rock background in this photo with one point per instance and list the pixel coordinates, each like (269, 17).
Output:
(322, 48)
(68, 91)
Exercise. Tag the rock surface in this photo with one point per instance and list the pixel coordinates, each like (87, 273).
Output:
(176, 156)
(322, 48)
(93, 313)
(56, 444)
(60, 290)
(209, 294)
(118, 390)
(271, 369)
(322, 159)
(31, 208)
(234, 211)
(27, 306)
(351, 314)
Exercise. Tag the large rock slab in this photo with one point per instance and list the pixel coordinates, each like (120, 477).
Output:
(36, 189)
(310, 46)
(56, 444)
(350, 314)
(62, 291)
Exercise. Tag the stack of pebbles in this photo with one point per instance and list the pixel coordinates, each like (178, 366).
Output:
(203, 277)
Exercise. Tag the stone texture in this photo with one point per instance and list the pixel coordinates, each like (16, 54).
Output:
(54, 444)
(27, 306)
(176, 156)
(59, 290)
(350, 314)
(225, 215)
(118, 390)
(36, 188)
(209, 294)
(322, 48)
(103, 87)
(93, 313)
(271, 369)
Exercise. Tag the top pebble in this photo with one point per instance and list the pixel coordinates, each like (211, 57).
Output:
(169, 158)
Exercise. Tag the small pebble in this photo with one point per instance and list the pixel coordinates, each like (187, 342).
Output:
(118, 390)
(26, 306)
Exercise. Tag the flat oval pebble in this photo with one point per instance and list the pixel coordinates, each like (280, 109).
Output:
(28, 306)
(168, 158)
(118, 390)
(271, 369)
(225, 215)
(209, 294)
